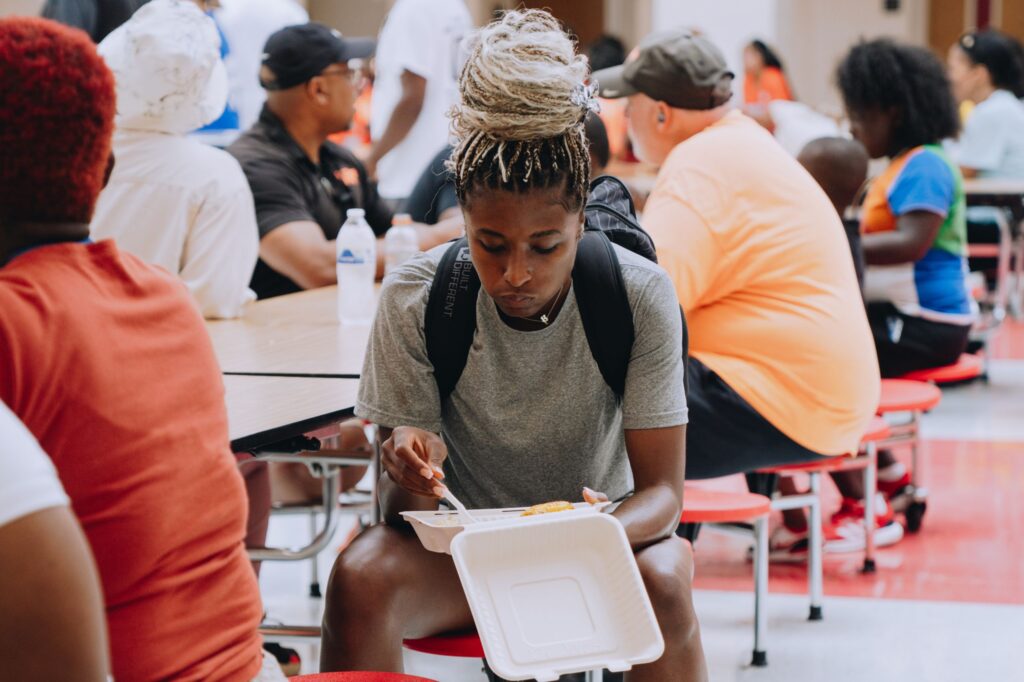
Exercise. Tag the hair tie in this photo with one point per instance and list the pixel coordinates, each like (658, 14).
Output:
(585, 97)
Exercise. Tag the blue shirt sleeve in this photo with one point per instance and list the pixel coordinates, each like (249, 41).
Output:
(926, 183)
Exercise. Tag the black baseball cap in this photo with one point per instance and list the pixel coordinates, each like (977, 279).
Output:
(297, 53)
(678, 68)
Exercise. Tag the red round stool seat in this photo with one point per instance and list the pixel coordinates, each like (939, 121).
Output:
(837, 463)
(878, 429)
(966, 368)
(711, 506)
(465, 644)
(361, 676)
(903, 395)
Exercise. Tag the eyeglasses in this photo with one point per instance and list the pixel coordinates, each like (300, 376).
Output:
(354, 76)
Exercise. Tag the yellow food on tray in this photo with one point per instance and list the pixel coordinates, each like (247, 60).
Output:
(548, 508)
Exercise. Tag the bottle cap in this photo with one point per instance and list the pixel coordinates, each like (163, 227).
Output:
(401, 219)
(355, 213)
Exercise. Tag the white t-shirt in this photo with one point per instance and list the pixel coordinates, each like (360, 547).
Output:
(993, 138)
(186, 207)
(247, 24)
(28, 481)
(425, 38)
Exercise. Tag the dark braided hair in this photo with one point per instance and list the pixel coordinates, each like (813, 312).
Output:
(884, 75)
(519, 126)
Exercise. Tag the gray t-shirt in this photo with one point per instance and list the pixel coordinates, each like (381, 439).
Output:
(531, 419)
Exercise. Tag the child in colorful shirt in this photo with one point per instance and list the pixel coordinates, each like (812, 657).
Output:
(913, 216)
(914, 241)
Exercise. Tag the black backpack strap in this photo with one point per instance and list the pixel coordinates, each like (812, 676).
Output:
(451, 316)
(686, 354)
(604, 308)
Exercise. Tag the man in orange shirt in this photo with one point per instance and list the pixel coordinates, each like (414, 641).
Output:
(106, 361)
(783, 367)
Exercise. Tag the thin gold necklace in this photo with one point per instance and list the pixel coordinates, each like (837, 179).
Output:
(545, 319)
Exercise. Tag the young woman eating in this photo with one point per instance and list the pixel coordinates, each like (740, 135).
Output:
(531, 419)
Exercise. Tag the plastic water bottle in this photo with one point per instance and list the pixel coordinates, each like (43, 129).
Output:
(356, 267)
(400, 242)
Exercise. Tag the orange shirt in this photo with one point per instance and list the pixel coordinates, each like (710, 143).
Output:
(770, 86)
(107, 362)
(763, 271)
(359, 129)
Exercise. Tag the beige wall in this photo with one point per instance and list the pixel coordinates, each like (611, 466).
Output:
(351, 17)
(813, 35)
(628, 20)
(810, 35)
(20, 7)
(729, 24)
(365, 17)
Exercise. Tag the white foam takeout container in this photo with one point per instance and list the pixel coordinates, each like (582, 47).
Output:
(556, 593)
(436, 529)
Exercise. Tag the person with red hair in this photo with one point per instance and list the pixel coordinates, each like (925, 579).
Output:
(107, 363)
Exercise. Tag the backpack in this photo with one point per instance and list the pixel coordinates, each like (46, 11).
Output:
(610, 218)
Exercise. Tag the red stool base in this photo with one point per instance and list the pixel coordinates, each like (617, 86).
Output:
(361, 676)
(458, 644)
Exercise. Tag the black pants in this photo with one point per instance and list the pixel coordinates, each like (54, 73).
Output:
(726, 435)
(906, 343)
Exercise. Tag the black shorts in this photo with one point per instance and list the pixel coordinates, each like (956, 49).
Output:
(906, 343)
(726, 435)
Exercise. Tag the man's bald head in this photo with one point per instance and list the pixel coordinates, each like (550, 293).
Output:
(840, 166)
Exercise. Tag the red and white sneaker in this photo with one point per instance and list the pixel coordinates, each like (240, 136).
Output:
(785, 546)
(788, 547)
(847, 531)
(893, 488)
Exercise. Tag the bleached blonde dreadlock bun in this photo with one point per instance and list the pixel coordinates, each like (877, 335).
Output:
(518, 81)
(519, 125)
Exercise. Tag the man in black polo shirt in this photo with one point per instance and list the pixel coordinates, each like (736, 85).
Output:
(301, 183)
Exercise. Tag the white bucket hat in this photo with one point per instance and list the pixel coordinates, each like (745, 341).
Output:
(166, 61)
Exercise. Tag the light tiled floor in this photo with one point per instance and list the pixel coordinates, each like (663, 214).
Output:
(991, 411)
(945, 605)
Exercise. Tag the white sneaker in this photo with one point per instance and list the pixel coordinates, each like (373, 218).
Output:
(849, 536)
(784, 547)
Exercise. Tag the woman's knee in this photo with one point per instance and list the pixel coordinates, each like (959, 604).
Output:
(368, 571)
(666, 569)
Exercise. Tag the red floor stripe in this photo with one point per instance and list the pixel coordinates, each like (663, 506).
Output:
(970, 549)
(1008, 341)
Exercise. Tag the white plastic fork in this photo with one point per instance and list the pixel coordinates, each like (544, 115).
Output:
(463, 513)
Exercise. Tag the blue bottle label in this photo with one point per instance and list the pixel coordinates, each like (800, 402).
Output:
(349, 258)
